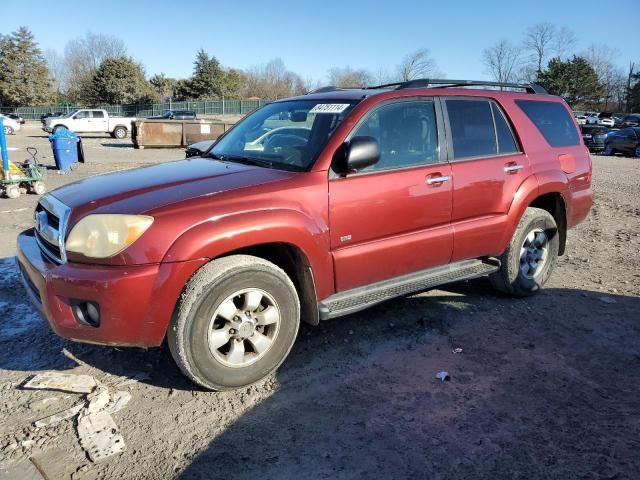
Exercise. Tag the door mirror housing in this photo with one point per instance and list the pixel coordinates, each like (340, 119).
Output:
(358, 153)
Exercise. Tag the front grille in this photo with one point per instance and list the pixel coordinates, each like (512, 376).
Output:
(51, 218)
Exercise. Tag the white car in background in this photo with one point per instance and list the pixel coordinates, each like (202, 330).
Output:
(11, 126)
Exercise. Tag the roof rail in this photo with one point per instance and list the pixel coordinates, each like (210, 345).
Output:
(446, 83)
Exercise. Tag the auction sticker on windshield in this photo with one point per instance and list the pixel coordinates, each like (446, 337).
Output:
(329, 108)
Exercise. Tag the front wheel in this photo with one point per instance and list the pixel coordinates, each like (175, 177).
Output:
(235, 323)
(527, 263)
(120, 132)
(608, 150)
(8, 130)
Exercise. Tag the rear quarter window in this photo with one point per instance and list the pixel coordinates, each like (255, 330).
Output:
(552, 120)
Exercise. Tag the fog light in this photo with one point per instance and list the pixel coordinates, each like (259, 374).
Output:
(86, 313)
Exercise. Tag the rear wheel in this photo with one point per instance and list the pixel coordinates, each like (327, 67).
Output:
(120, 132)
(235, 323)
(637, 151)
(527, 263)
(38, 188)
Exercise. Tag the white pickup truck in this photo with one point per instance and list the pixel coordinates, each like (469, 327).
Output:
(90, 121)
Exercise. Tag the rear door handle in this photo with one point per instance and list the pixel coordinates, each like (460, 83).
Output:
(437, 180)
(513, 168)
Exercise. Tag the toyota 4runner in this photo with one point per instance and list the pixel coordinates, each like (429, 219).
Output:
(311, 208)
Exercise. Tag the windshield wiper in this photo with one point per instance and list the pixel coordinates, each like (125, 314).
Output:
(246, 160)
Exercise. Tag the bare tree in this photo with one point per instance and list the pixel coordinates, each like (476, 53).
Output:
(418, 64)
(272, 80)
(83, 56)
(55, 63)
(538, 41)
(601, 58)
(347, 77)
(563, 43)
(502, 61)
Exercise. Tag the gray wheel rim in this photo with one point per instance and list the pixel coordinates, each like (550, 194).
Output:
(120, 133)
(244, 327)
(534, 253)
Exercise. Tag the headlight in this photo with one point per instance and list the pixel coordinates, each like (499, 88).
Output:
(102, 235)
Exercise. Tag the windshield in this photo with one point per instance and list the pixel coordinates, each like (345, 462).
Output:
(284, 135)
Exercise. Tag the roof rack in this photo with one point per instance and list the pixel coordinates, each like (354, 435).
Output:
(446, 83)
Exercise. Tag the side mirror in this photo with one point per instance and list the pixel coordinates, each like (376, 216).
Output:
(359, 153)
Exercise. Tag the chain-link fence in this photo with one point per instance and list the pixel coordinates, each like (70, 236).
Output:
(201, 107)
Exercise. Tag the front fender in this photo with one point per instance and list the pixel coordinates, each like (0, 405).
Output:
(220, 235)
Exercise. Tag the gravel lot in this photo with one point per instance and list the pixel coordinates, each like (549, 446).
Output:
(545, 387)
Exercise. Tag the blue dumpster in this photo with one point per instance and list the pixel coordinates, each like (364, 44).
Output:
(64, 144)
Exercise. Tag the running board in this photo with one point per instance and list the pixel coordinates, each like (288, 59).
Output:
(359, 298)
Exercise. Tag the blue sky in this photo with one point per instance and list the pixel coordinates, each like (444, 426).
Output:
(312, 37)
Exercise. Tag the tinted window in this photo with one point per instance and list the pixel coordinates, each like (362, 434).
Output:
(406, 132)
(552, 120)
(506, 142)
(472, 131)
(98, 114)
(81, 115)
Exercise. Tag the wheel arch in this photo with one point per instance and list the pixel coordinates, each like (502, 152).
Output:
(554, 203)
(296, 265)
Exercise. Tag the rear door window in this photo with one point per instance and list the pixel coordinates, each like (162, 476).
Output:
(552, 120)
(506, 142)
(472, 130)
(98, 114)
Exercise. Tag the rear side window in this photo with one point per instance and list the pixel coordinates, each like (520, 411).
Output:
(552, 120)
(472, 130)
(98, 114)
(506, 142)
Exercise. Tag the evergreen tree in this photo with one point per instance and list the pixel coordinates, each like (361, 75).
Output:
(120, 81)
(24, 76)
(208, 77)
(574, 80)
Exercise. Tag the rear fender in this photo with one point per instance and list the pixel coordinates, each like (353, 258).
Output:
(533, 187)
(221, 235)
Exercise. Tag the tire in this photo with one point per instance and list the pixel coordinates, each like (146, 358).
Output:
(8, 130)
(12, 191)
(637, 151)
(219, 354)
(120, 132)
(534, 243)
(38, 188)
(57, 128)
(608, 150)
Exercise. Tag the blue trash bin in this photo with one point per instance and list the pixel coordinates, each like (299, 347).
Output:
(64, 144)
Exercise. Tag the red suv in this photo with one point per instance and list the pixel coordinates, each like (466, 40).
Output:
(311, 208)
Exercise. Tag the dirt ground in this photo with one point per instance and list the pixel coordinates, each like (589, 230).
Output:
(542, 388)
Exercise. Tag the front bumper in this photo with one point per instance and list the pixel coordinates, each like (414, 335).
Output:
(136, 302)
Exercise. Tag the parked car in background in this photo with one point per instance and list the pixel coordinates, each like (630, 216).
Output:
(581, 119)
(606, 119)
(594, 137)
(198, 148)
(11, 126)
(592, 118)
(44, 116)
(631, 121)
(90, 121)
(16, 117)
(175, 115)
(625, 141)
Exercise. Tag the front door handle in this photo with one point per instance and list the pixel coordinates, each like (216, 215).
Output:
(513, 168)
(437, 180)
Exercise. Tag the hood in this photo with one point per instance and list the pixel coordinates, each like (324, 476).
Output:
(144, 189)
